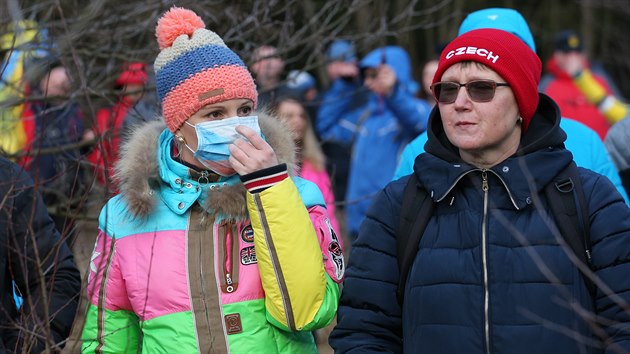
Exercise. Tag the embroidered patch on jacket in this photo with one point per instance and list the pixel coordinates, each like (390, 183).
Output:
(247, 234)
(233, 323)
(336, 253)
(248, 256)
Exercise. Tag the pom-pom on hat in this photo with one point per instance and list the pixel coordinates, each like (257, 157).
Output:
(504, 53)
(195, 68)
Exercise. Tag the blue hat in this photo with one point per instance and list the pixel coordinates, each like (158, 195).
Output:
(300, 81)
(568, 41)
(341, 50)
(499, 18)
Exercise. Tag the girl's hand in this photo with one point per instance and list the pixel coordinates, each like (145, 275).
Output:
(253, 155)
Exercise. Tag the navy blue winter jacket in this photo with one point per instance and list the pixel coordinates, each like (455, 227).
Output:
(489, 276)
(39, 263)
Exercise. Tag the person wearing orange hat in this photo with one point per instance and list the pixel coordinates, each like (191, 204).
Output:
(489, 274)
(212, 246)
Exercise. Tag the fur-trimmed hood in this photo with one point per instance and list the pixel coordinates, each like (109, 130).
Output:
(142, 185)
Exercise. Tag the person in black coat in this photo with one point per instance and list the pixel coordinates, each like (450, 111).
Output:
(36, 265)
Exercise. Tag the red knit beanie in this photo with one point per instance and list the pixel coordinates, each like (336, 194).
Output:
(504, 53)
(133, 74)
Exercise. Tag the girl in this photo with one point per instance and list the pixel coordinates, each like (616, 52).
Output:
(211, 246)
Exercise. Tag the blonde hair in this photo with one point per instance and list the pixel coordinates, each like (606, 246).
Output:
(310, 149)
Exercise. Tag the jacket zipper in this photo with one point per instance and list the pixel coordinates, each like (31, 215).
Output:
(229, 283)
(484, 251)
(227, 263)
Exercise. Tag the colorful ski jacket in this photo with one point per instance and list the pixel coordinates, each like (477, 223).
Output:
(187, 264)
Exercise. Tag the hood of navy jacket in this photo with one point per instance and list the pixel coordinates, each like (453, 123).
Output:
(539, 158)
(397, 58)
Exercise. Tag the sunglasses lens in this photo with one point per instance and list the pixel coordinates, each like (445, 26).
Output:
(446, 92)
(481, 91)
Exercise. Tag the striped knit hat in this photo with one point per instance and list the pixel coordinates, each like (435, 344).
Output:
(195, 68)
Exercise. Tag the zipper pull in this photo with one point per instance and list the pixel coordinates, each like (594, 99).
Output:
(588, 256)
(484, 180)
(228, 280)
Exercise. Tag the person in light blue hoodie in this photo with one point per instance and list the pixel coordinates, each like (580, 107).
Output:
(376, 121)
(587, 148)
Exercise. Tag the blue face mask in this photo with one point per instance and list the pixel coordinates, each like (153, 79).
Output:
(213, 139)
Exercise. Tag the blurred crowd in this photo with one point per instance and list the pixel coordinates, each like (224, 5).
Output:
(351, 133)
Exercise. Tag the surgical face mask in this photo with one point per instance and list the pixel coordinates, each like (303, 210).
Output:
(213, 139)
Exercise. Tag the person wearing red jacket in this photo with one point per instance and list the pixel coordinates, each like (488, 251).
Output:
(582, 92)
(109, 122)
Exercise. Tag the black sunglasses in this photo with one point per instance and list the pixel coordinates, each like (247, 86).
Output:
(478, 90)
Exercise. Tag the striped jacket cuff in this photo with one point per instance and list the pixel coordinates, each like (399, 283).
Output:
(258, 181)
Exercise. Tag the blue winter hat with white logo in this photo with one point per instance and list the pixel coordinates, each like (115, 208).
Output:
(508, 20)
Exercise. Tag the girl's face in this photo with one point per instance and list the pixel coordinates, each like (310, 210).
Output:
(240, 107)
(293, 113)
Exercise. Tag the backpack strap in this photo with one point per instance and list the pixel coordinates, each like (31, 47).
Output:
(568, 206)
(415, 211)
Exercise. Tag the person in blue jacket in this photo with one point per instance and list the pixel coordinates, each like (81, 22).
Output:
(375, 124)
(491, 274)
(586, 146)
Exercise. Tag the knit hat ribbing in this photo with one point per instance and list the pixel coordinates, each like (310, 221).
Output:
(195, 68)
(504, 53)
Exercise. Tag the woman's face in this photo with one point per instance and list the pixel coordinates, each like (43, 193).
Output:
(427, 75)
(231, 108)
(295, 116)
(483, 131)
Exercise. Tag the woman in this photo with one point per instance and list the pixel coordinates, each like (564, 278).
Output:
(489, 275)
(211, 246)
(311, 162)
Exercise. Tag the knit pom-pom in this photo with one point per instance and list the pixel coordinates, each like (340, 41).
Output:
(174, 23)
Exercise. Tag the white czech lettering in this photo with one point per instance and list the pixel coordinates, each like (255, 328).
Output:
(493, 58)
(482, 52)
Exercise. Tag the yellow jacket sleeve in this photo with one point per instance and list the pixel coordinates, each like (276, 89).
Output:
(290, 259)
